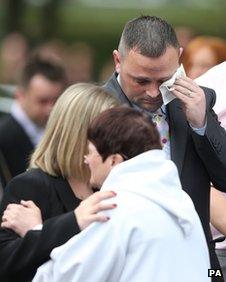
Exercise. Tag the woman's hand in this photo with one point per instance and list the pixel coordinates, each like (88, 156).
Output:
(21, 217)
(88, 210)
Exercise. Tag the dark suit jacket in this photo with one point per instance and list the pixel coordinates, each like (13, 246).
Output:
(199, 159)
(20, 257)
(15, 145)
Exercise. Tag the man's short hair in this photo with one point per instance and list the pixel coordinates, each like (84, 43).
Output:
(149, 35)
(125, 131)
(39, 66)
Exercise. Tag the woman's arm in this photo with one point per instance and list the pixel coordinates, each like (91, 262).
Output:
(26, 216)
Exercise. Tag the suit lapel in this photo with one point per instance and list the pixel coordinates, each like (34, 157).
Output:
(178, 133)
(115, 89)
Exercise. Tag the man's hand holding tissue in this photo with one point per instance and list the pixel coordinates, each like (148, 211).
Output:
(193, 99)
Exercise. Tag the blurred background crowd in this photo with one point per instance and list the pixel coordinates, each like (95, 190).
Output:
(83, 33)
(80, 35)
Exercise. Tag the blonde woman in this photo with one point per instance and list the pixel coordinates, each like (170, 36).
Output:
(43, 207)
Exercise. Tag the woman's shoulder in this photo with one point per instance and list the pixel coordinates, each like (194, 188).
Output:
(32, 175)
(31, 182)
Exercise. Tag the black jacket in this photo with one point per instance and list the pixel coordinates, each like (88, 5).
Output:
(20, 257)
(15, 145)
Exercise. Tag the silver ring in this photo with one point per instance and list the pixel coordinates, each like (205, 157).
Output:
(189, 94)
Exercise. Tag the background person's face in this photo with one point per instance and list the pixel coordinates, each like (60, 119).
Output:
(99, 170)
(39, 97)
(201, 61)
(141, 76)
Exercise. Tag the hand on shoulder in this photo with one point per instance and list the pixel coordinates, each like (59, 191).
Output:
(88, 210)
(21, 217)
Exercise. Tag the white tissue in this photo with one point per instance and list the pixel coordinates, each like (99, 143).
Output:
(167, 95)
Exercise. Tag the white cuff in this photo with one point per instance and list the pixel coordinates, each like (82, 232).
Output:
(38, 227)
(199, 131)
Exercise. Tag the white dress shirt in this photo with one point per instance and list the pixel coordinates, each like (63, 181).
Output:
(33, 131)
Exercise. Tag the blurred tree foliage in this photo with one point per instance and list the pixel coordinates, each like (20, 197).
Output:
(100, 27)
(17, 16)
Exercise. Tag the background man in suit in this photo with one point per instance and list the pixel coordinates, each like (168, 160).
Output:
(148, 56)
(41, 84)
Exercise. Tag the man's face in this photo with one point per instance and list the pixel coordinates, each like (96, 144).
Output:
(38, 98)
(141, 76)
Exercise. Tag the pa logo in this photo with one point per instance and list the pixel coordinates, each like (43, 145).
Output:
(214, 273)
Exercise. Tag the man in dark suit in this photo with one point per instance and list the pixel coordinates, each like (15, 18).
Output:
(148, 55)
(41, 84)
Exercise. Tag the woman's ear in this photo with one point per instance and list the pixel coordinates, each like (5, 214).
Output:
(116, 159)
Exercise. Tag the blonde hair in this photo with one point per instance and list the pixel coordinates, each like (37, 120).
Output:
(64, 144)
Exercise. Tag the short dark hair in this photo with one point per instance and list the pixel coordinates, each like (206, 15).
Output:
(150, 35)
(49, 69)
(125, 131)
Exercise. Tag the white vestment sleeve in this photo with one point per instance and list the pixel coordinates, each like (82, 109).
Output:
(93, 255)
